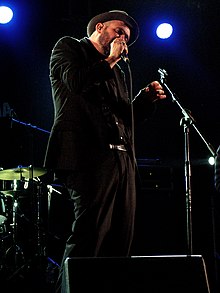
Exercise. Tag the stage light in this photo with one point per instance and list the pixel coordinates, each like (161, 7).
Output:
(6, 14)
(164, 30)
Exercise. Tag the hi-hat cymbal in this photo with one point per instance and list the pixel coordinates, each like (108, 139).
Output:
(21, 172)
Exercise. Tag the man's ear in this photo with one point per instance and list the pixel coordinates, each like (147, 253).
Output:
(99, 26)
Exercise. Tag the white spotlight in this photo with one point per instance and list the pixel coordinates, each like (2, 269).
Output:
(164, 30)
(6, 14)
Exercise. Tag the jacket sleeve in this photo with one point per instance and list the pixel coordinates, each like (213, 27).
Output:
(68, 65)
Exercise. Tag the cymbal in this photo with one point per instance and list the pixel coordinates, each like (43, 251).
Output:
(21, 172)
(12, 193)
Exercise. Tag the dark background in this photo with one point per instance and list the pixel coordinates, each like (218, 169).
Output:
(191, 59)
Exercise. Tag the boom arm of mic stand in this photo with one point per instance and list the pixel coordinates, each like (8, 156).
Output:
(186, 113)
(29, 125)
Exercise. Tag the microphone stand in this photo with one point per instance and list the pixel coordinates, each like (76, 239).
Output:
(186, 122)
(29, 125)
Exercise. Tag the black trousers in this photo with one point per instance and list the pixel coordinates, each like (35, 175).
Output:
(104, 209)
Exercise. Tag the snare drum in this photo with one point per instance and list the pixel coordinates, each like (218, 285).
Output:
(14, 185)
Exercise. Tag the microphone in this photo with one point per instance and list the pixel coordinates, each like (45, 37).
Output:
(124, 56)
(163, 75)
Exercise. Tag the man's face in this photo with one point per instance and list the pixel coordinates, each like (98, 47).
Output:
(111, 30)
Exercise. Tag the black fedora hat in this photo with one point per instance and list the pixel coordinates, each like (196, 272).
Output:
(115, 15)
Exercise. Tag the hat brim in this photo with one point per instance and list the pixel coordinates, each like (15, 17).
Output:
(115, 15)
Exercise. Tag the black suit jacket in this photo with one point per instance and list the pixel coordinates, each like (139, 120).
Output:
(92, 107)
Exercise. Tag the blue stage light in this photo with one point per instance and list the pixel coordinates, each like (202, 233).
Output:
(164, 30)
(6, 14)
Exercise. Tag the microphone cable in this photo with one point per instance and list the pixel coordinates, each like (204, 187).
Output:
(130, 93)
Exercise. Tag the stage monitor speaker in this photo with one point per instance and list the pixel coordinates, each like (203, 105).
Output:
(136, 274)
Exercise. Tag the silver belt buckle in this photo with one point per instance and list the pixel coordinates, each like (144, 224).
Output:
(119, 147)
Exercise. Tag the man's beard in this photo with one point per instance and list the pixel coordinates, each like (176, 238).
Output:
(105, 46)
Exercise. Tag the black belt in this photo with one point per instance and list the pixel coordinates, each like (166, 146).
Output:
(119, 147)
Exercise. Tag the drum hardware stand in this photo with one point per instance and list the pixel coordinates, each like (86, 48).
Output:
(43, 262)
(186, 122)
(18, 250)
(40, 247)
(52, 267)
(3, 235)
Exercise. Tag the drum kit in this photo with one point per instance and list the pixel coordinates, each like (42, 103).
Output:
(20, 215)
